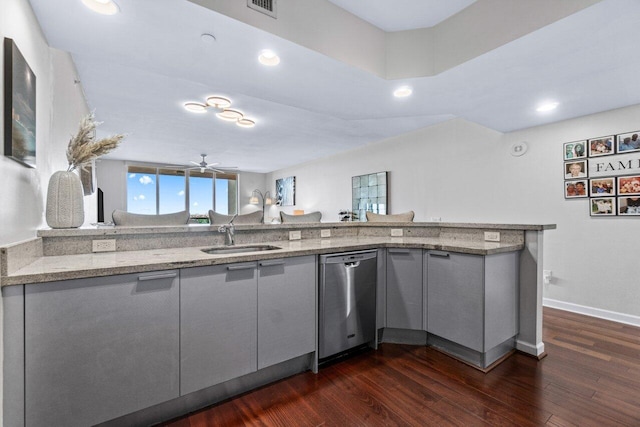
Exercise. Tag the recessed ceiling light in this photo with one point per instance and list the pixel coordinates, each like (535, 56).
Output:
(269, 58)
(547, 106)
(402, 92)
(246, 123)
(104, 7)
(230, 115)
(195, 107)
(207, 38)
(218, 102)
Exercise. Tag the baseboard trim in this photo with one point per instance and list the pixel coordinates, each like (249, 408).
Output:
(627, 319)
(528, 348)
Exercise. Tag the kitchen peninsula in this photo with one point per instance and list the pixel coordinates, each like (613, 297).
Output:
(165, 288)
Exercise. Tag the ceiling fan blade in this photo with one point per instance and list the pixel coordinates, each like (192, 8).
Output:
(195, 163)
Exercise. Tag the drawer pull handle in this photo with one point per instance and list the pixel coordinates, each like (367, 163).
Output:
(398, 251)
(439, 254)
(272, 262)
(157, 276)
(241, 267)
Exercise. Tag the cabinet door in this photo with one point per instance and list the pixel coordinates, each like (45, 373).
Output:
(286, 309)
(218, 315)
(455, 297)
(100, 348)
(404, 289)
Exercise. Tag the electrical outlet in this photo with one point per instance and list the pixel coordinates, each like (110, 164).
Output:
(325, 233)
(396, 232)
(546, 276)
(492, 236)
(295, 235)
(104, 245)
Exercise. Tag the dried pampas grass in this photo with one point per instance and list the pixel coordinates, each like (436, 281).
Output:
(83, 148)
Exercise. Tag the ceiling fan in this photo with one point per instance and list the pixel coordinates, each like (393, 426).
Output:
(203, 166)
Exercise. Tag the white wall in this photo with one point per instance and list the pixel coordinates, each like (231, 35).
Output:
(462, 172)
(59, 107)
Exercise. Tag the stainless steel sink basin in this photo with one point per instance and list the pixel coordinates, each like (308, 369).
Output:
(225, 250)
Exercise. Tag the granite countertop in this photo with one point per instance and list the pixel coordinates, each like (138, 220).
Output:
(54, 268)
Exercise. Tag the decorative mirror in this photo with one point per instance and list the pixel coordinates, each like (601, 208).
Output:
(369, 193)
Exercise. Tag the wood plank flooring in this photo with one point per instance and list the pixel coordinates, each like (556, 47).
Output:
(590, 377)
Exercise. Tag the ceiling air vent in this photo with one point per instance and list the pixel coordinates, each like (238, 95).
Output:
(268, 7)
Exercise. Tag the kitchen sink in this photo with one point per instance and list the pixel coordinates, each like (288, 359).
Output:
(224, 250)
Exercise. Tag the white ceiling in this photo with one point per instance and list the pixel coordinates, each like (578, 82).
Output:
(399, 15)
(138, 68)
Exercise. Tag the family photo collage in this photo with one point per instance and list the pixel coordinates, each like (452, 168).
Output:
(608, 196)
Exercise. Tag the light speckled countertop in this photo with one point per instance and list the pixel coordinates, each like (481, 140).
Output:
(65, 267)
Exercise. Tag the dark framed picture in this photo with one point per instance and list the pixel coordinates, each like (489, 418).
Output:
(19, 107)
(286, 191)
(601, 146)
(575, 170)
(575, 150)
(629, 185)
(629, 206)
(603, 206)
(628, 142)
(575, 189)
(600, 187)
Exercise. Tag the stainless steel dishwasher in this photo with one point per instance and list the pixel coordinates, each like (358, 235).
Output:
(347, 301)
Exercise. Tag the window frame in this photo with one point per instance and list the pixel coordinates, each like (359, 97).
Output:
(187, 203)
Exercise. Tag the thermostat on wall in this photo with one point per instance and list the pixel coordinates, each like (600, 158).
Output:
(518, 149)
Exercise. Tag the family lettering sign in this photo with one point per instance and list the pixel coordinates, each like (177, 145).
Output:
(614, 165)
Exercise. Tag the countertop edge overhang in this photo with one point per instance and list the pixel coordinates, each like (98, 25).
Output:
(68, 267)
(107, 230)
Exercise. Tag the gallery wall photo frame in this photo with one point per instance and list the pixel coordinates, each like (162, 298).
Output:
(19, 106)
(629, 185)
(628, 142)
(286, 191)
(575, 150)
(601, 146)
(629, 206)
(600, 187)
(576, 189)
(602, 206)
(576, 169)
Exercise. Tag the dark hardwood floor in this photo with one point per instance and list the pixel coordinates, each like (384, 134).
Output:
(590, 377)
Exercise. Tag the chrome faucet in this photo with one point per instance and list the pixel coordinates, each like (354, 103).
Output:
(229, 229)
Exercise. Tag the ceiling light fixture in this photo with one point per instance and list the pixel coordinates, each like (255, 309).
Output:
(547, 106)
(218, 102)
(402, 92)
(195, 107)
(225, 113)
(230, 115)
(245, 123)
(104, 7)
(269, 58)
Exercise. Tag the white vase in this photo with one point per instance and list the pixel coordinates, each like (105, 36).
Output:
(65, 206)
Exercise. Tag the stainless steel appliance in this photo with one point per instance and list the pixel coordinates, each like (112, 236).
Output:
(347, 301)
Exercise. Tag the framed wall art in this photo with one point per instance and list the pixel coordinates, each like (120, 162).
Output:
(575, 150)
(629, 206)
(628, 142)
(575, 189)
(602, 187)
(19, 107)
(286, 191)
(629, 185)
(603, 206)
(601, 146)
(574, 170)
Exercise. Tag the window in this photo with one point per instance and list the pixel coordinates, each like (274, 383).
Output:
(152, 190)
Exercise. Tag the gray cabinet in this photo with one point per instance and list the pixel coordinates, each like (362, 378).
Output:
(97, 349)
(286, 309)
(472, 299)
(218, 324)
(404, 289)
